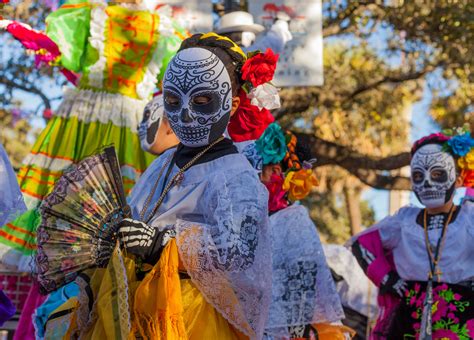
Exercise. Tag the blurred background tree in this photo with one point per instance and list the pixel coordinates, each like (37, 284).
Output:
(17, 135)
(380, 58)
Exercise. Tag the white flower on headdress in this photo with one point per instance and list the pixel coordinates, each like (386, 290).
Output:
(265, 96)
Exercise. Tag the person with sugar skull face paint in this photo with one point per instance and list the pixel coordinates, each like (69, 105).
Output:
(422, 259)
(203, 199)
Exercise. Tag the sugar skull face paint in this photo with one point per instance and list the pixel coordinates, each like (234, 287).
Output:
(433, 175)
(152, 118)
(197, 96)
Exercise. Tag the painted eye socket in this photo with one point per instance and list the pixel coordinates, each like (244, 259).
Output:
(206, 103)
(171, 99)
(417, 176)
(439, 175)
(201, 100)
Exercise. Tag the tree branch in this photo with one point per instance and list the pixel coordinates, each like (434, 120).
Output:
(333, 26)
(378, 181)
(389, 79)
(31, 89)
(330, 153)
(370, 170)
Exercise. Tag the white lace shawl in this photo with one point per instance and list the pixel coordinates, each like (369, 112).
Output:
(303, 291)
(220, 214)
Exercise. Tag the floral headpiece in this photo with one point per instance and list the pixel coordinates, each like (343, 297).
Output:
(276, 146)
(257, 97)
(459, 143)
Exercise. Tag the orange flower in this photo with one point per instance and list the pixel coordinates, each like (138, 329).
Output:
(299, 183)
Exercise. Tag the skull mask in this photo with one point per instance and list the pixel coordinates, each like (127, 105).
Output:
(197, 96)
(152, 117)
(433, 175)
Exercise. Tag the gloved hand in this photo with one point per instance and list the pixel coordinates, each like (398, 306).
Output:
(392, 283)
(143, 240)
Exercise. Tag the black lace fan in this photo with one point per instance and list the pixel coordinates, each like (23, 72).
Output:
(79, 220)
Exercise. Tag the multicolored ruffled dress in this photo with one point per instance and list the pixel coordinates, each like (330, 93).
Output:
(119, 50)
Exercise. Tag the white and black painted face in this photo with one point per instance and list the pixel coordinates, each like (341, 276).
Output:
(152, 118)
(197, 95)
(433, 175)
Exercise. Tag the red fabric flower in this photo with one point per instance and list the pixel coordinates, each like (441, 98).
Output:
(276, 194)
(260, 69)
(248, 122)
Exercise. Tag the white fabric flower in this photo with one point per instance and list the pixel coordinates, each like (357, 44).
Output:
(265, 96)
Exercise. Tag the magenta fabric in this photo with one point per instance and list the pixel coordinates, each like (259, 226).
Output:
(25, 329)
(382, 264)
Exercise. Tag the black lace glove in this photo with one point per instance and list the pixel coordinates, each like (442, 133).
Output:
(143, 240)
(392, 283)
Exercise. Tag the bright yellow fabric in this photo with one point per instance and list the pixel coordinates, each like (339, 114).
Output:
(202, 321)
(130, 40)
(158, 309)
(332, 332)
(161, 307)
(169, 308)
(112, 288)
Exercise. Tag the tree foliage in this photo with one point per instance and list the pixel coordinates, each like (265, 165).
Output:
(16, 136)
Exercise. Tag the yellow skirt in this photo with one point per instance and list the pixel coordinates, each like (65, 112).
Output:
(160, 307)
(167, 307)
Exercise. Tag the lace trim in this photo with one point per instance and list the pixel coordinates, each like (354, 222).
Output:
(148, 84)
(123, 294)
(92, 106)
(97, 41)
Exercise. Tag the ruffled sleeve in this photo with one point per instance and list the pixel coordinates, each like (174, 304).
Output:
(228, 255)
(390, 228)
(69, 27)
